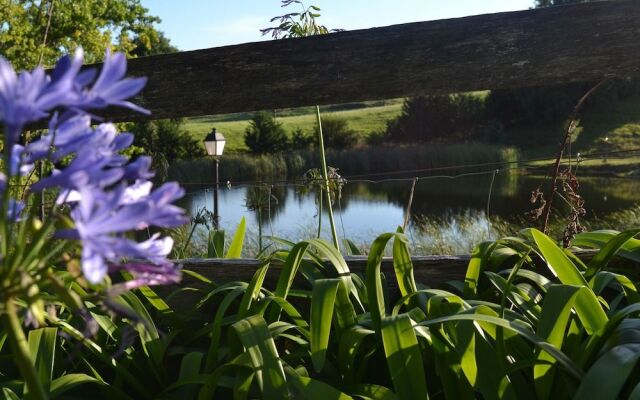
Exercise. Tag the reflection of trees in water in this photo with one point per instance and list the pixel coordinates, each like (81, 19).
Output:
(509, 199)
(266, 201)
(439, 196)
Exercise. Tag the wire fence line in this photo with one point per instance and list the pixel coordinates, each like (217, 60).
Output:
(498, 167)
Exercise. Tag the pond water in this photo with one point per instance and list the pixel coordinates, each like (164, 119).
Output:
(447, 215)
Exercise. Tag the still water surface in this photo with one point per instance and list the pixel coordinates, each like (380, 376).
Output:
(444, 210)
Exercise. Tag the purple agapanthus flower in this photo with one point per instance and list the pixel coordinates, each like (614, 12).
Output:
(108, 195)
(145, 274)
(101, 218)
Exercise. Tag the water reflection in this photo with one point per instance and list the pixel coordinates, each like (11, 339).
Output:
(445, 212)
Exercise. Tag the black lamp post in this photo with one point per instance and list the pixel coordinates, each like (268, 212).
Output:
(214, 143)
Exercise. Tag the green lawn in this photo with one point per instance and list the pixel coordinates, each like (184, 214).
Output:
(371, 117)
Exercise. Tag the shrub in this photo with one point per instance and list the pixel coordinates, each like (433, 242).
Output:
(377, 138)
(265, 135)
(337, 134)
(168, 138)
(436, 118)
(301, 140)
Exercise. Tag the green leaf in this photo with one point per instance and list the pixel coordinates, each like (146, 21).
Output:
(258, 343)
(557, 260)
(322, 304)
(253, 290)
(402, 264)
(67, 382)
(242, 383)
(598, 239)
(215, 244)
(216, 331)
(189, 369)
(375, 290)
(8, 394)
(371, 392)
(348, 349)
(42, 346)
(351, 247)
(307, 388)
(609, 250)
(3, 339)
(156, 301)
(404, 358)
(147, 329)
(555, 317)
(477, 263)
(606, 378)
(235, 248)
(562, 358)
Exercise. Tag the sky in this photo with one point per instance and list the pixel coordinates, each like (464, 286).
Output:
(200, 24)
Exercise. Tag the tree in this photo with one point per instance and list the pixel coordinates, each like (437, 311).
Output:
(122, 25)
(167, 137)
(337, 133)
(265, 135)
(436, 118)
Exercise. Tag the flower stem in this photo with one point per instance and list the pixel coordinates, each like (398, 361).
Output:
(21, 354)
(325, 177)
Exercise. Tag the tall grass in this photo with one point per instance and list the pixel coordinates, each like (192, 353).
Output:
(379, 160)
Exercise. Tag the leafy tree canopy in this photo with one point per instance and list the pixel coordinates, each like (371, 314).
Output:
(123, 25)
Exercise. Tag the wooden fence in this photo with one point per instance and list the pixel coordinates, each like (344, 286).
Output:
(547, 46)
(582, 42)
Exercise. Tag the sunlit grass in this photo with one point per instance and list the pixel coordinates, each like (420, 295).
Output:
(362, 120)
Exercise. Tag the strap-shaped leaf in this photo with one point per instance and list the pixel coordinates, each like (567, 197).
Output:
(404, 357)
(258, 343)
(65, 383)
(322, 306)
(215, 244)
(557, 260)
(606, 378)
(600, 260)
(42, 346)
(235, 248)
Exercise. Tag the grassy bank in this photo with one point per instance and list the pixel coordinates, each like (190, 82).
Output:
(364, 160)
(363, 118)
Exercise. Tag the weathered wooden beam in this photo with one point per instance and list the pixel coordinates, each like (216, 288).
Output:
(428, 270)
(547, 46)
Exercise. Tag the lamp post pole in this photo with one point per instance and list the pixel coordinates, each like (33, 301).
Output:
(216, 216)
(214, 144)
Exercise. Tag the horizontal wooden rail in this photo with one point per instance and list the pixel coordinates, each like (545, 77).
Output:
(546, 46)
(429, 270)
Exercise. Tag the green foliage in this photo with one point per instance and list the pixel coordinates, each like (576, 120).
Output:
(166, 137)
(337, 133)
(436, 118)
(123, 25)
(297, 24)
(301, 140)
(358, 160)
(265, 135)
(530, 320)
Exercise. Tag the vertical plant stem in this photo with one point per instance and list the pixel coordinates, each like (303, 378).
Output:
(20, 349)
(259, 229)
(407, 214)
(320, 212)
(570, 127)
(325, 177)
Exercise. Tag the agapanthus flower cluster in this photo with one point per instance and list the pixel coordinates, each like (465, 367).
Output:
(108, 195)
